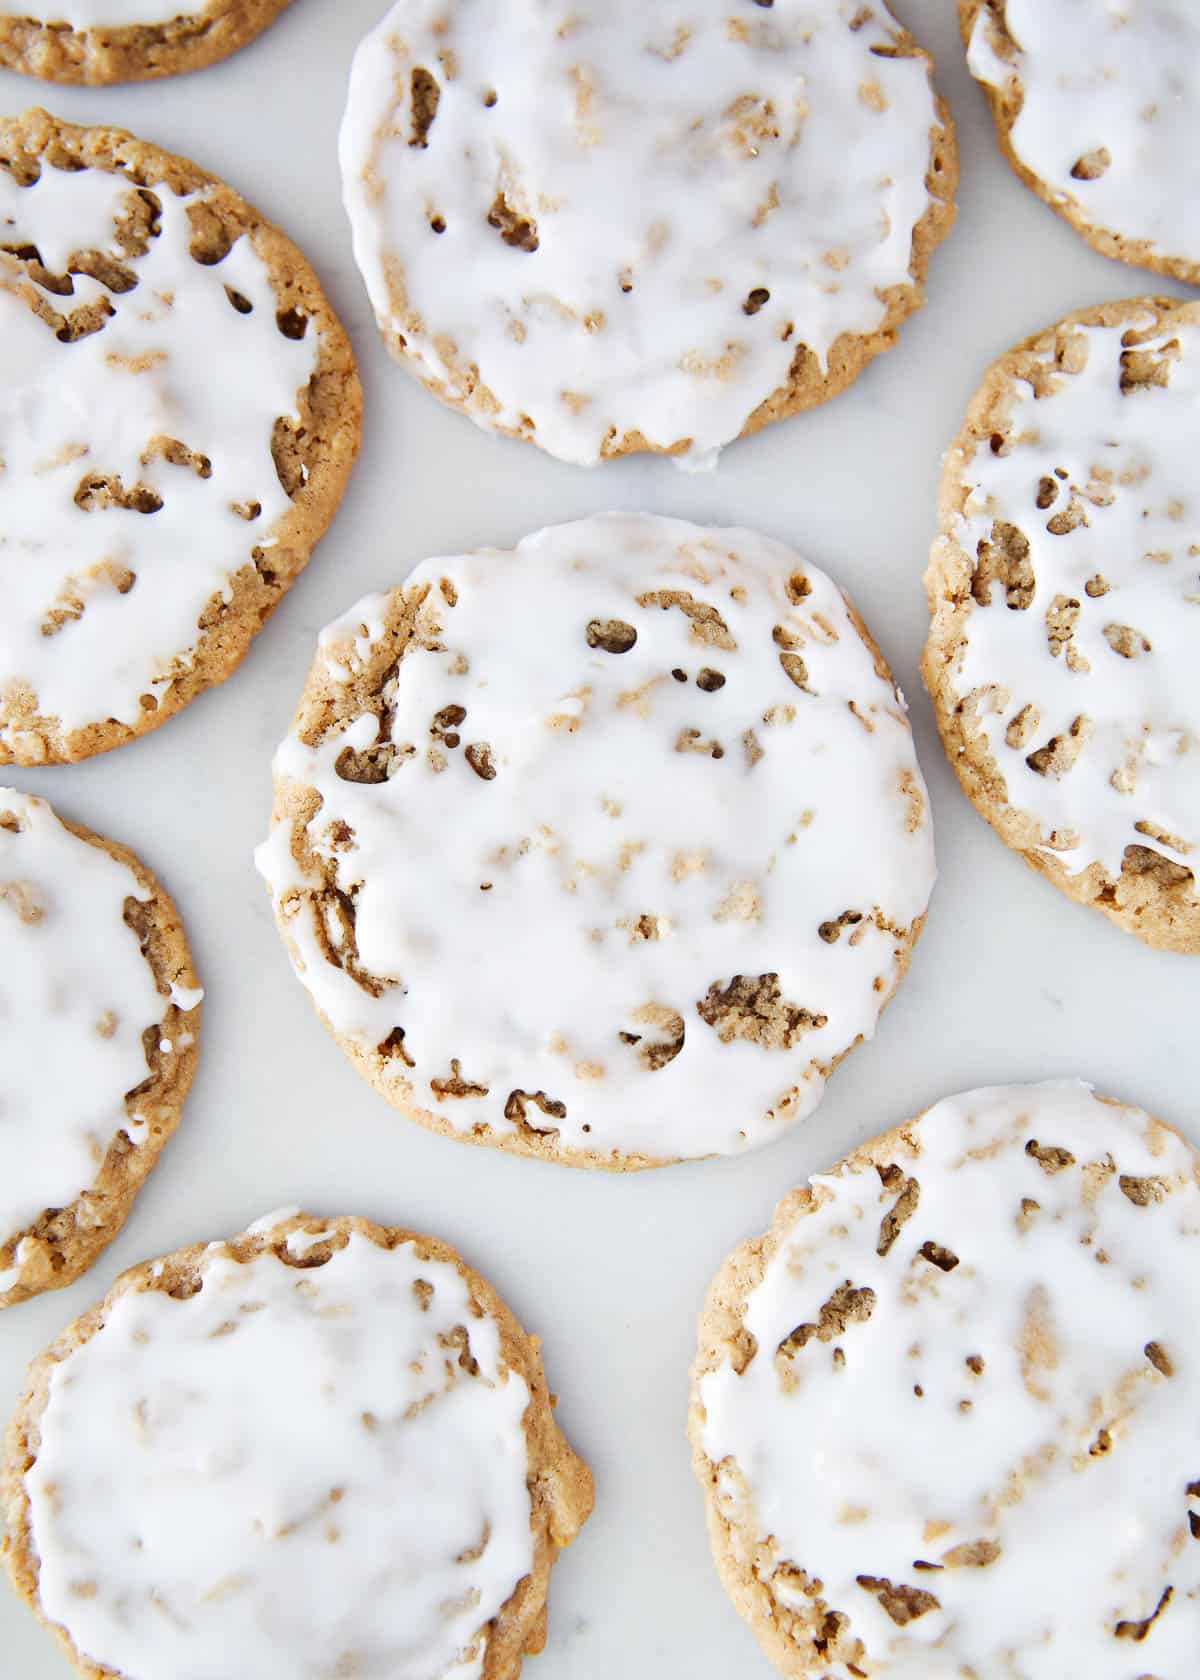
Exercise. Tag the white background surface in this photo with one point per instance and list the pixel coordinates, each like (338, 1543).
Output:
(1010, 981)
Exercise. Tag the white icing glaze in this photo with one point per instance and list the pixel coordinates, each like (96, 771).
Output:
(1117, 75)
(673, 166)
(1073, 1452)
(1130, 466)
(268, 1221)
(113, 14)
(176, 361)
(555, 929)
(292, 1465)
(75, 996)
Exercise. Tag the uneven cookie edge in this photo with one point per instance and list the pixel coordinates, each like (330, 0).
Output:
(1005, 108)
(560, 1482)
(1167, 919)
(331, 405)
(324, 707)
(57, 1256)
(719, 1324)
(805, 387)
(99, 57)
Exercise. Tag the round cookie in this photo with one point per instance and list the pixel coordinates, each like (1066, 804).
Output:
(944, 1413)
(325, 1446)
(101, 41)
(605, 849)
(1063, 589)
(179, 418)
(604, 230)
(1097, 111)
(99, 1018)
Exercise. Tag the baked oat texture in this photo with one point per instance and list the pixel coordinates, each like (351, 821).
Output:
(559, 1481)
(425, 341)
(1005, 104)
(132, 53)
(1150, 894)
(65, 1241)
(924, 1414)
(312, 458)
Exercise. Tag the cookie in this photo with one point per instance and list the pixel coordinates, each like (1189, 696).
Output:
(605, 230)
(324, 1448)
(607, 848)
(99, 1018)
(179, 418)
(1063, 589)
(944, 1413)
(1096, 109)
(101, 41)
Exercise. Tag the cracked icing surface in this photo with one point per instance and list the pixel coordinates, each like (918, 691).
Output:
(81, 1097)
(324, 1446)
(605, 230)
(945, 1412)
(1098, 109)
(567, 834)
(154, 497)
(1065, 593)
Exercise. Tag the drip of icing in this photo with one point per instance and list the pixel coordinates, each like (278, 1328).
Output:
(1110, 109)
(660, 824)
(618, 223)
(293, 1464)
(1011, 1430)
(76, 995)
(102, 605)
(1123, 578)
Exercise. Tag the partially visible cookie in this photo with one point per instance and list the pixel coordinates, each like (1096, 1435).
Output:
(324, 1448)
(99, 1017)
(607, 848)
(946, 1412)
(1097, 108)
(179, 416)
(100, 41)
(1064, 651)
(604, 227)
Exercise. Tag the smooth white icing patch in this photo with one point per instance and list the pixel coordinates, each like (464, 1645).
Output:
(674, 165)
(1110, 87)
(299, 1242)
(294, 1465)
(102, 606)
(76, 995)
(113, 14)
(1069, 1453)
(662, 824)
(1121, 574)
(268, 1221)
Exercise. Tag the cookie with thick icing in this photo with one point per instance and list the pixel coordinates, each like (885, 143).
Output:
(179, 416)
(99, 1021)
(1064, 591)
(1097, 109)
(606, 848)
(101, 41)
(944, 1413)
(604, 229)
(324, 1445)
